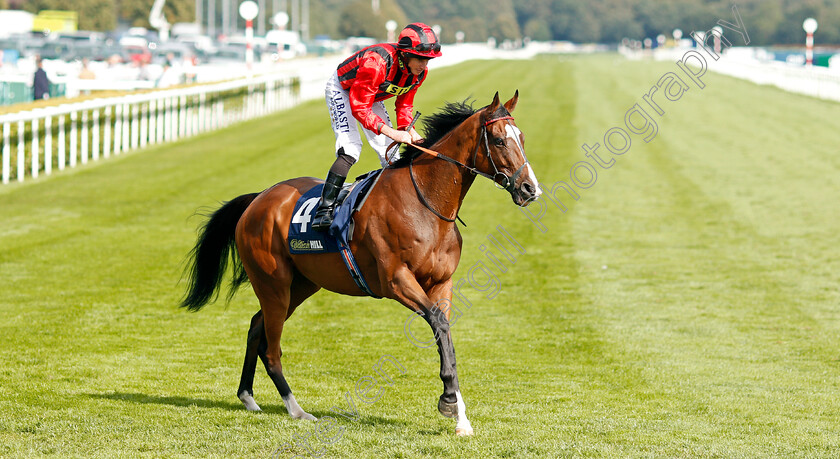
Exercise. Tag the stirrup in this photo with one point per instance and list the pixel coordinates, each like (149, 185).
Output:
(323, 219)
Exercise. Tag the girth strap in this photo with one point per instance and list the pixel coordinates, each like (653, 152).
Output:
(355, 272)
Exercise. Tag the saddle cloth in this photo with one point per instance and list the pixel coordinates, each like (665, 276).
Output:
(303, 239)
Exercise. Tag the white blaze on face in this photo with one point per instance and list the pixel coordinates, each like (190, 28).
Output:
(514, 133)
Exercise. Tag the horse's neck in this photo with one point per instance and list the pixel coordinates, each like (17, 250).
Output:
(443, 184)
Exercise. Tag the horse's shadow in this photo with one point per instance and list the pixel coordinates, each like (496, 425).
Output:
(179, 401)
(147, 399)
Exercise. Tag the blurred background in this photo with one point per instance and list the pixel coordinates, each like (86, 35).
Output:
(108, 45)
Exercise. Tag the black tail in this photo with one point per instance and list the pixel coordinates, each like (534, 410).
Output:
(209, 258)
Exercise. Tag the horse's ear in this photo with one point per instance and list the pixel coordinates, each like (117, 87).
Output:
(495, 105)
(511, 104)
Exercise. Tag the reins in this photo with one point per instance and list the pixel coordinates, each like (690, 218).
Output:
(507, 180)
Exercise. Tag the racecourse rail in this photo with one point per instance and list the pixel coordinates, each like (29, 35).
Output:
(75, 133)
(753, 64)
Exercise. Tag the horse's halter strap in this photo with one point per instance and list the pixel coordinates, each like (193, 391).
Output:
(507, 183)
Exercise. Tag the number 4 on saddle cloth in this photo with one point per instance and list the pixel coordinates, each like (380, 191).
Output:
(303, 239)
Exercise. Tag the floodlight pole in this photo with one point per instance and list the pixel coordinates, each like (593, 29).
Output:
(810, 26)
(249, 10)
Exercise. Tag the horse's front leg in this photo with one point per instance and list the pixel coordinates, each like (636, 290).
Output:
(441, 296)
(405, 289)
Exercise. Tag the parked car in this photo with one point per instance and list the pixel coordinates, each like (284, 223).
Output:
(81, 36)
(25, 44)
(286, 43)
(175, 51)
(56, 50)
(138, 54)
(229, 53)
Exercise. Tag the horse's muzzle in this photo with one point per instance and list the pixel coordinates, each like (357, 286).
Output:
(526, 193)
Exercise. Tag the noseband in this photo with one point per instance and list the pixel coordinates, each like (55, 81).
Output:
(507, 182)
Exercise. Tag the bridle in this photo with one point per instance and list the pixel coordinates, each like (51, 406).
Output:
(508, 181)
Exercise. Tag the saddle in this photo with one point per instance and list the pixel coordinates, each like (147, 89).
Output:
(351, 198)
(303, 239)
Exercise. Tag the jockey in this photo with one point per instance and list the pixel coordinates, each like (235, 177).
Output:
(359, 86)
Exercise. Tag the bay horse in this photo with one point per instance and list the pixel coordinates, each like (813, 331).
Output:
(405, 241)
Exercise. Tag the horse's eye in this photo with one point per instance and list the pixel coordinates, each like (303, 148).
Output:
(499, 141)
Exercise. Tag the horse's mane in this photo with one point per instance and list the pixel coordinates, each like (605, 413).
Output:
(436, 126)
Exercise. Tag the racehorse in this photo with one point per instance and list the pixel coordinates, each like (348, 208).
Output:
(405, 241)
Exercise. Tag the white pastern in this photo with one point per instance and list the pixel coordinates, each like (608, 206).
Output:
(249, 402)
(463, 427)
(295, 410)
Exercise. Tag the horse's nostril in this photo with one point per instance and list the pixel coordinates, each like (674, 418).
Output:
(528, 188)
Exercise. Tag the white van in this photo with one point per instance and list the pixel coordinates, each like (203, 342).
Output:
(286, 43)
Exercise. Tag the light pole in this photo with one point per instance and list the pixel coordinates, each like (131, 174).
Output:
(248, 10)
(718, 32)
(261, 20)
(281, 19)
(436, 29)
(226, 18)
(700, 39)
(391, 27)
(810, 26)
(211, 19)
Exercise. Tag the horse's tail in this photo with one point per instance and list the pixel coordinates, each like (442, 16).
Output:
(209, 258)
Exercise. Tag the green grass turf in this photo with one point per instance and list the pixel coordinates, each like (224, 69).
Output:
(686, 305)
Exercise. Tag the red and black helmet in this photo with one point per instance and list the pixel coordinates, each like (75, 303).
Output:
(420, 40)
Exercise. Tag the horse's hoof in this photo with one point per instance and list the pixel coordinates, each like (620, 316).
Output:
(463, 431)
(248, 400)
(450, 410)
(305, 416)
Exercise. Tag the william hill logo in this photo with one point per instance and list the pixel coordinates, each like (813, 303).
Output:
(297, 244)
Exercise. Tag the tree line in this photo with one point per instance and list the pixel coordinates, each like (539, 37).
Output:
(604, 21)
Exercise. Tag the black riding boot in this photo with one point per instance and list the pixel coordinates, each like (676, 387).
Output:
(323, 216)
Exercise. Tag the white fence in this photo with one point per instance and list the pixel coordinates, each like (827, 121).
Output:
(819, 82)
(44, 140)
(47, 139)
(753, 64)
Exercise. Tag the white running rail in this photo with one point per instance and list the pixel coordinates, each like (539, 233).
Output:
(43, 140)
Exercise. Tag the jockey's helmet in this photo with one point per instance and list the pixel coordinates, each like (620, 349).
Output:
(420, 40)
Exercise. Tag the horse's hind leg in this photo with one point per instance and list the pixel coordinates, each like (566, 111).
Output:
(256, 346)
(279, 296)
(301, 289)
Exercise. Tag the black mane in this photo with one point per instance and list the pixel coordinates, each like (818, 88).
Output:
(436, 126)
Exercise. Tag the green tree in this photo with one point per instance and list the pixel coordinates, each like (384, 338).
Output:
(789, 29)
(359, 20)
(93, 14)
(136, 12)
(537, 29)
(657, 17)
(504, 27)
